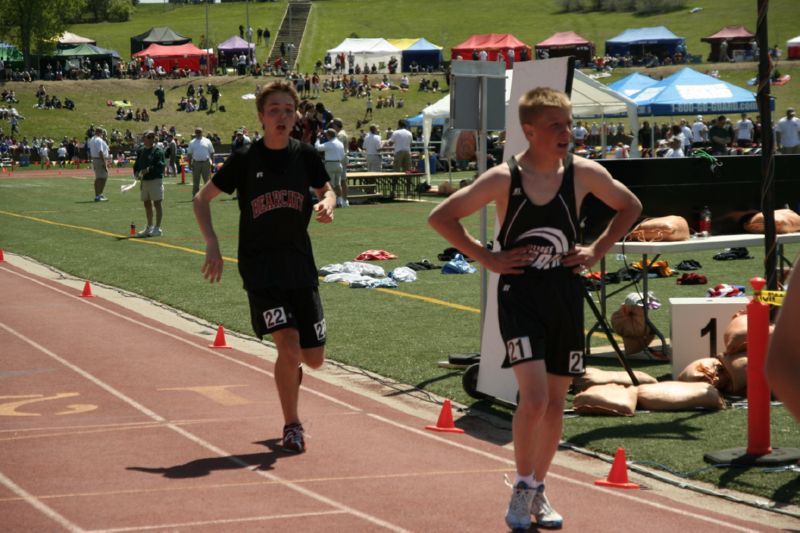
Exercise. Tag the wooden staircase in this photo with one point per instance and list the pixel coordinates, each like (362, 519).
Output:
(292, 29)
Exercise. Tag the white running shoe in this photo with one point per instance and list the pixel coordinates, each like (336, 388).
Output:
(146, 232)
(155, 231)
(545, 515)
(518, 515)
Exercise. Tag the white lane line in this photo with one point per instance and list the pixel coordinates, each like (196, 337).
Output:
(37, 504)
(217, 522)
(191, 343)
(510, 463)
(203, 443)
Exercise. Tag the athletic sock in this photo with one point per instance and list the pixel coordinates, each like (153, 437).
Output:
(536, 483)
(528, 480)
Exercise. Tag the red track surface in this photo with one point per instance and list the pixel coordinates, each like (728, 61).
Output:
(110, 420)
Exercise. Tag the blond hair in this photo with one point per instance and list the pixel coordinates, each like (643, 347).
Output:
(276, 87)
(536, 100)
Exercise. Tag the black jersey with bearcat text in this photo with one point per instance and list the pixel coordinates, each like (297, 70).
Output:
(275, 204)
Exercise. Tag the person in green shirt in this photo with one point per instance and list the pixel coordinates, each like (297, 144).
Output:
(149, 168)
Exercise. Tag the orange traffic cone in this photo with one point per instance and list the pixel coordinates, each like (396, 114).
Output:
(618, 477)
(2, 258)
(445, 422)
(219, 341)
(87, 290)
(183, 175)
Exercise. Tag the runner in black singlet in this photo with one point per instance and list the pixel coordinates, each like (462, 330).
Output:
(540, 296)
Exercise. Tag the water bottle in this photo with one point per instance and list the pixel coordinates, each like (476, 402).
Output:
(704, 225)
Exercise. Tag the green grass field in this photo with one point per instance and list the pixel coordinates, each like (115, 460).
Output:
(400, 333)
(368, 19)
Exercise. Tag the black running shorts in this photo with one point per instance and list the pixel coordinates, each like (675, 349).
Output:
(272, 309)
(541, 318)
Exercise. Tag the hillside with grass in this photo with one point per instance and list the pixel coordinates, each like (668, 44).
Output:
(333, 20)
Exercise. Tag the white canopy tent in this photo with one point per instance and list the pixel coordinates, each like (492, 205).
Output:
(376, 52)
(590, 98)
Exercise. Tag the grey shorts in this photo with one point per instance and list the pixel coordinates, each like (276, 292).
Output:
(152, 190)
(335, 171)
(100, 170)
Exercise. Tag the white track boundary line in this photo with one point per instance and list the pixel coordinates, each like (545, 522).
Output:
(197, 440)
(427, 434)
(216, 522)
(37, 504)
(211, 351)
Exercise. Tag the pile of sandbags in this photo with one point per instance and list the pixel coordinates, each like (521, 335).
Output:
(602, 392)
(699, 386)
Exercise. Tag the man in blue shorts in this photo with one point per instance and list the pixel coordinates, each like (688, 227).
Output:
(538, 195)
(272, 180)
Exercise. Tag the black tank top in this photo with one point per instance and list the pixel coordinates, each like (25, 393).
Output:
(552, 229)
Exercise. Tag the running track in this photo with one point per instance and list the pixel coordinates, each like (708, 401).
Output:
(115, 419)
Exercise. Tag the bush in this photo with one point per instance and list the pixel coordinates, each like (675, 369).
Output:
(649, 7)
(119, 10)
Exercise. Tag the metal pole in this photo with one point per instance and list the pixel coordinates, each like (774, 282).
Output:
(481, 153)
(247, 31)
(767, 157)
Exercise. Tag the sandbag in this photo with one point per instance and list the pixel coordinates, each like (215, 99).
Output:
(707, 369)
(595, 376)
(610, 399)
(628, 322)
(734, 368)
(679, 396)
(735, 335)
(661, 229)
(786, 221)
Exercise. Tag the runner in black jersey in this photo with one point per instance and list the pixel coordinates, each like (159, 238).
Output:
(537, 195)
(272, 180)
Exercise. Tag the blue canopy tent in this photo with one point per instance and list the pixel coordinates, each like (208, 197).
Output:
(425, 53)
(632, 84)
(416, 121)
(688, 92)
(638, 42)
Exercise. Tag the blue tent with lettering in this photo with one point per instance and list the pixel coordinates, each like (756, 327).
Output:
(688, 92)
(637, 42)
(425, 53)
(632, 84)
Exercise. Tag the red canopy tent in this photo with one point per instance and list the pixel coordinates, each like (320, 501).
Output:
(737, 37)
(493, 43)
(567, 43)
(181, 55)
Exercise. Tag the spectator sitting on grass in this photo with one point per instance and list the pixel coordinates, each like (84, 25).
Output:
(145, 116)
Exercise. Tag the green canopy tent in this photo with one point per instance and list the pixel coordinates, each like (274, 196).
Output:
(72, 57)
(11, 56)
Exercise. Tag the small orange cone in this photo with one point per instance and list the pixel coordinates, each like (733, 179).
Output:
(183, 175)
(219, 341)
(445, 423)
(2, 258)
(618, 477)
(87, 290)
